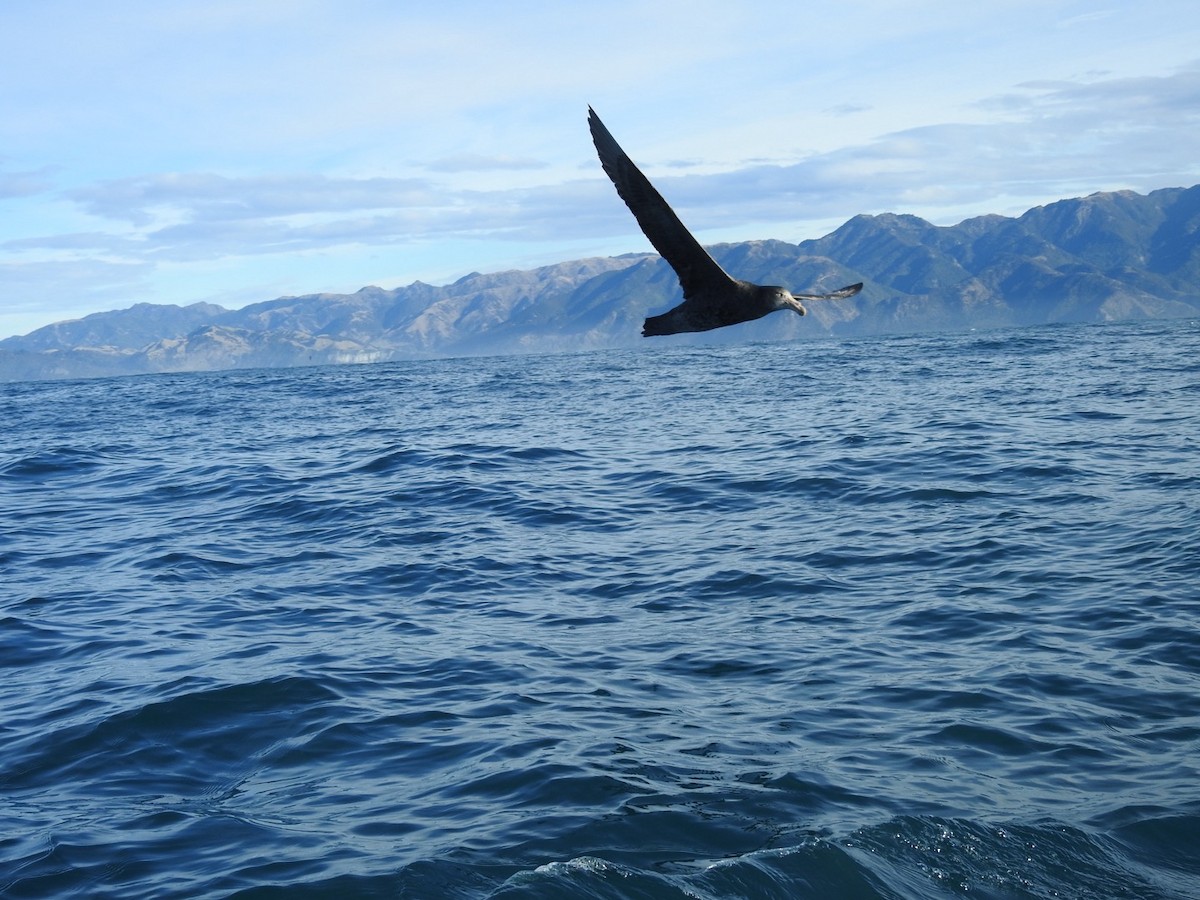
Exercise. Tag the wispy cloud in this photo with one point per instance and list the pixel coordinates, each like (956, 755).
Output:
(847, 109)
(1046, 138)
(470, 162)
(71, 288)
(206, 196)
(24, 184)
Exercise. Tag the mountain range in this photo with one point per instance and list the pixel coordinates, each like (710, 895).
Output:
(1106, 257)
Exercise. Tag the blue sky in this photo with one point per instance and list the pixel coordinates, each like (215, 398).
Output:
(171, 152)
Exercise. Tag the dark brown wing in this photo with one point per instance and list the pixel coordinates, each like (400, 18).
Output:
(698, 272)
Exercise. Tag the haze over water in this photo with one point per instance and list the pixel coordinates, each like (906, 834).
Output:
(902, 617)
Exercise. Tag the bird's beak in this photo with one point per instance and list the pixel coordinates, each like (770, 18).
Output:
(796, 305)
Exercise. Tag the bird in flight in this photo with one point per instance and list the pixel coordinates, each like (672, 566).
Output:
(711, 298)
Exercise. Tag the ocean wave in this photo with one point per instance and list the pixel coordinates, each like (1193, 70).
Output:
(904, 617)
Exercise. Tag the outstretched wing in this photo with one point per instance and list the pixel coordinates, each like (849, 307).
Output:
(695, 268)
(839, 294)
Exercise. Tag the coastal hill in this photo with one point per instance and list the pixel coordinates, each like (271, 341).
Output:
(1106, 257)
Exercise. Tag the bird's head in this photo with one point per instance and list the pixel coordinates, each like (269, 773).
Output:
(781, 298)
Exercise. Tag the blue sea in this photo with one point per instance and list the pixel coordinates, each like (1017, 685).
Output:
(899, 617)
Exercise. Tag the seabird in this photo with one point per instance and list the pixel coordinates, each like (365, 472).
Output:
(711, 298)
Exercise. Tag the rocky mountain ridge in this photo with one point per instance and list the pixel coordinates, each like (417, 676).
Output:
(1106, 257)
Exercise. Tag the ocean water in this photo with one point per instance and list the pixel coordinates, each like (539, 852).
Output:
(903, 617)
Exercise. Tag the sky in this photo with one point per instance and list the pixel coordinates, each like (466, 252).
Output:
(232, 152)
